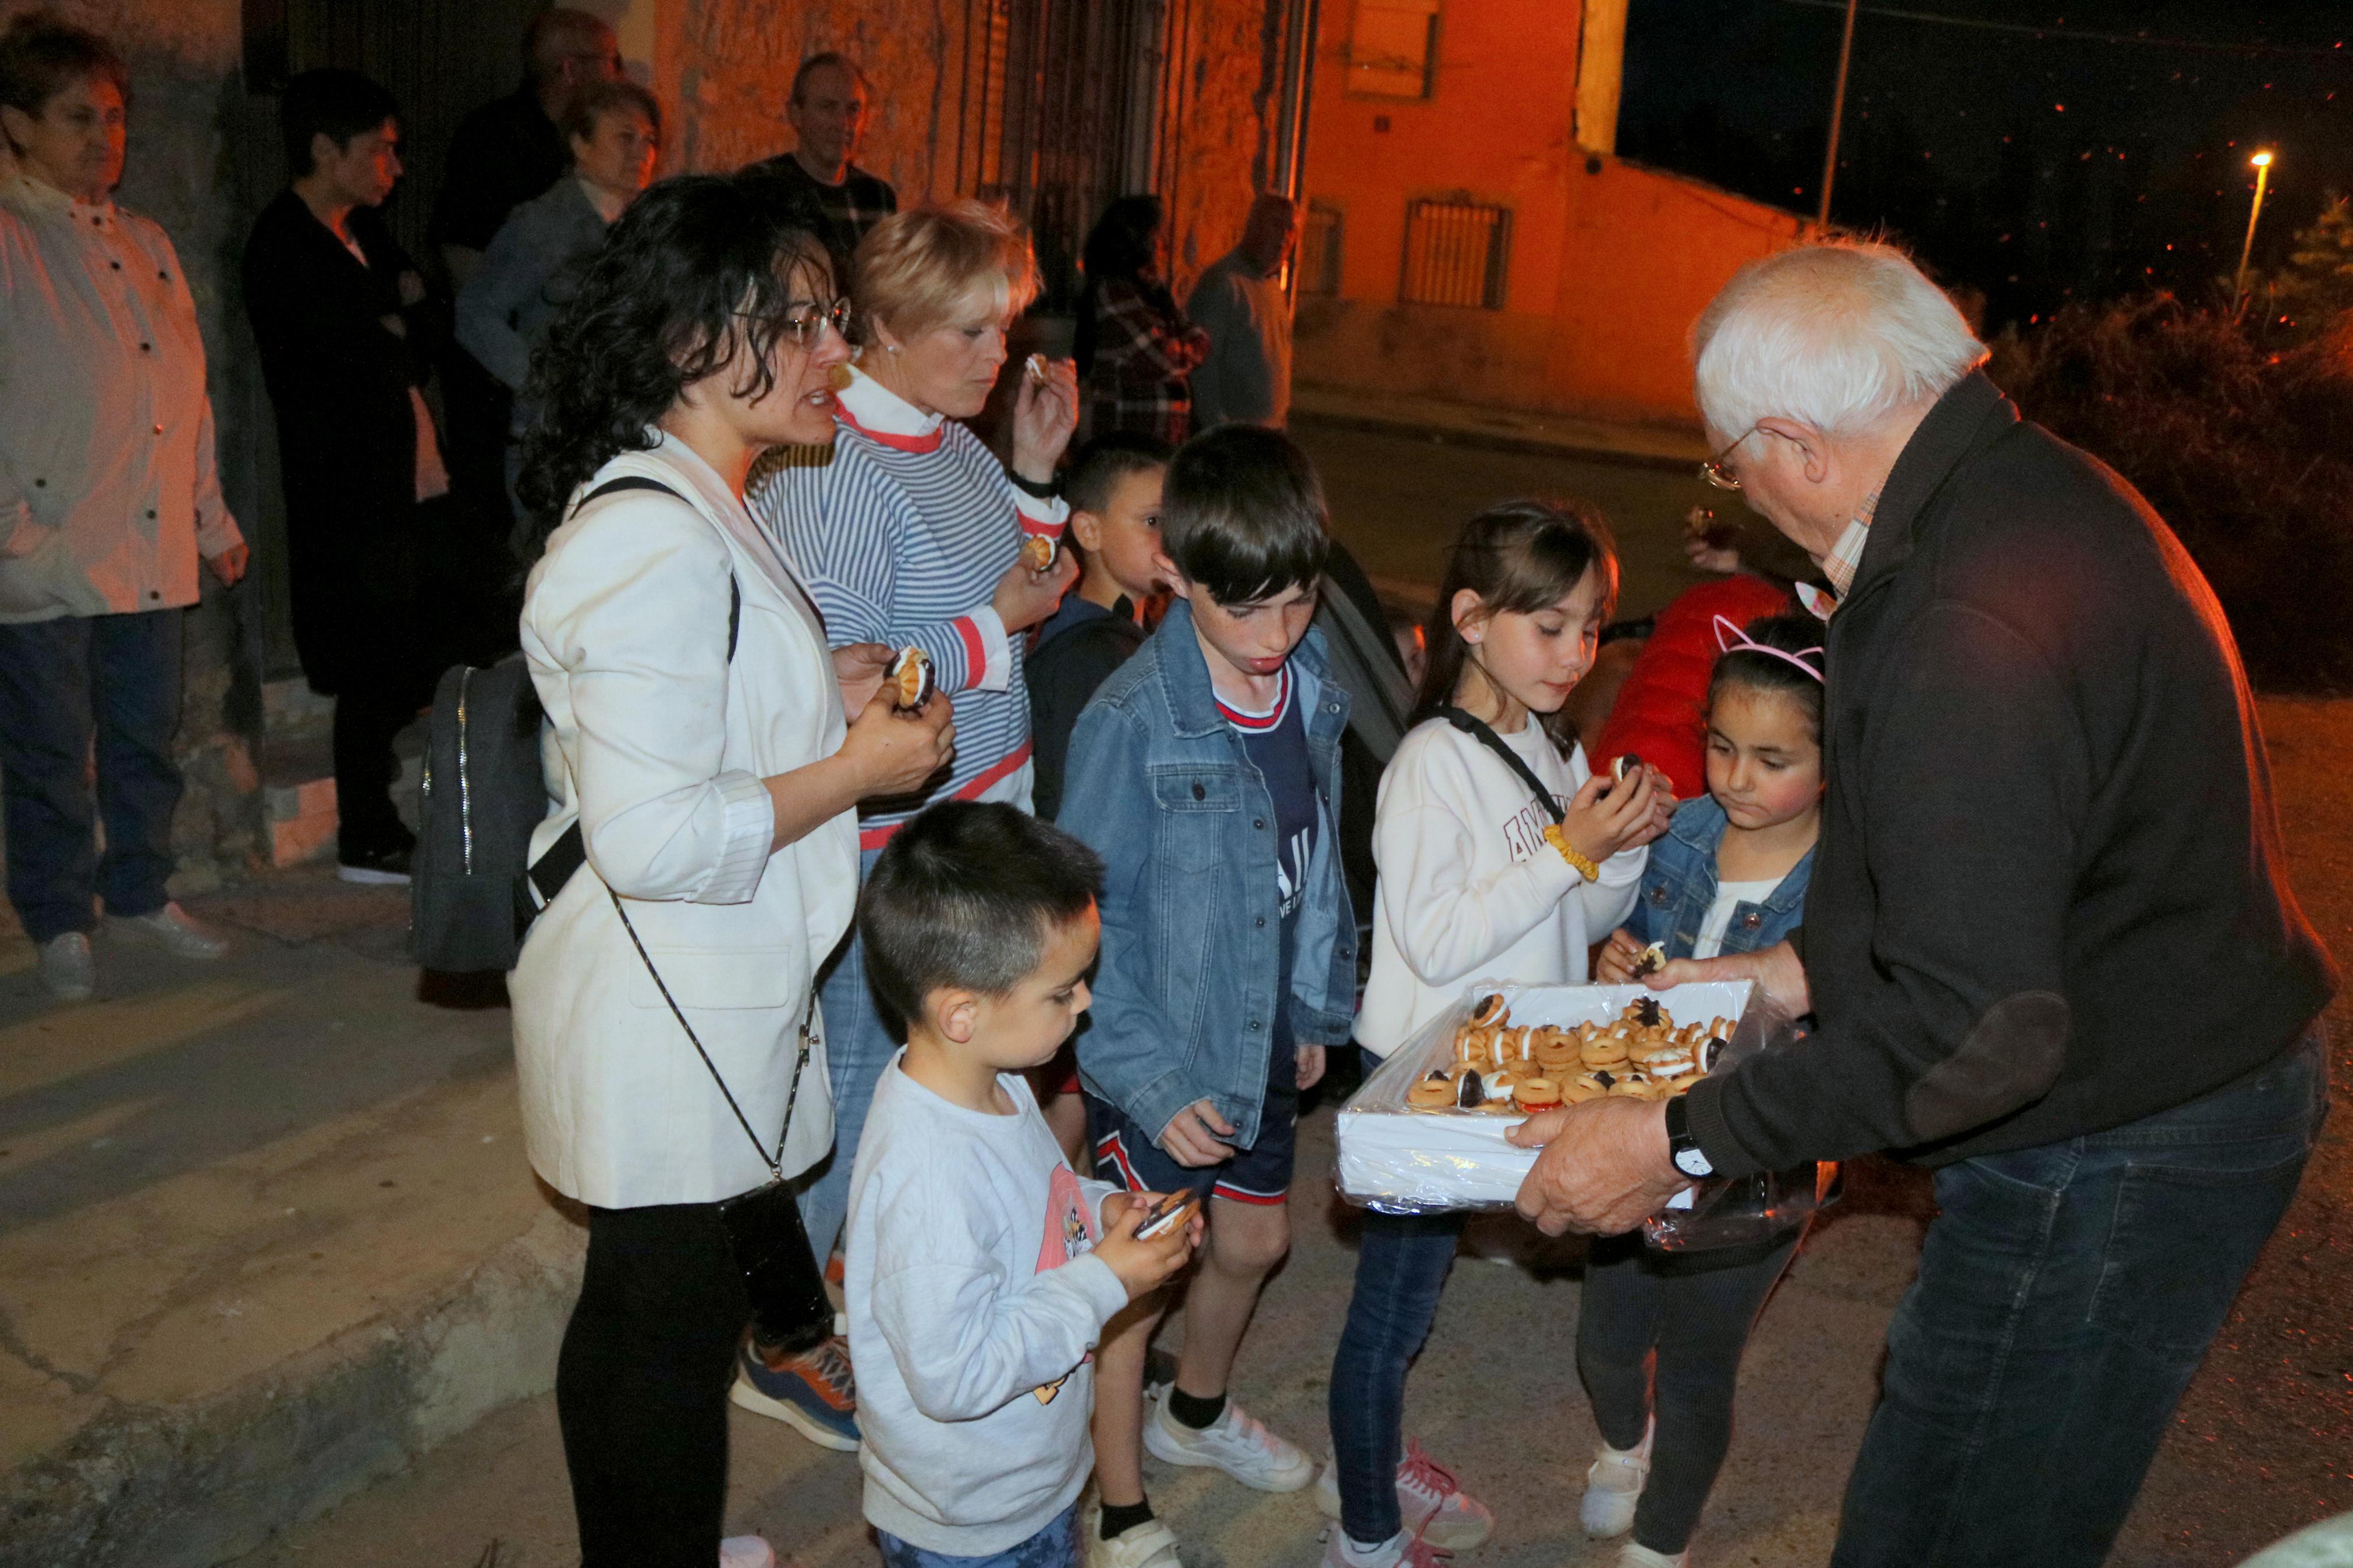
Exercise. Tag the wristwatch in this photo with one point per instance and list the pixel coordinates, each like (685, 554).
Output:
(1681, 1147)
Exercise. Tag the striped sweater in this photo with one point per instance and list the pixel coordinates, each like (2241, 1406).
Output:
(902, 539)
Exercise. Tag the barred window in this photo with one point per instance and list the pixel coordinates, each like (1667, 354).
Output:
(1393, 48)
(1319, 251)
(1456, 253)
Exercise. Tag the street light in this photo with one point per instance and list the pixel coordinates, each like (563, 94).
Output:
(2262, 163)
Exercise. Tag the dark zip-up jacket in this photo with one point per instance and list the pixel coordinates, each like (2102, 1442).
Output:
(2049, 897)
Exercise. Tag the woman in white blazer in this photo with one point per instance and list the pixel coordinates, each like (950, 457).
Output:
(715, 796)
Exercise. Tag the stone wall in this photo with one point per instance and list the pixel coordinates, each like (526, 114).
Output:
(734, 60)
(731, 66)
(186, 104)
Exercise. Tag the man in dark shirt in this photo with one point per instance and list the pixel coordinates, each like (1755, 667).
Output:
(2049, 939)
(827, 110)
(501, 156)
(508, 151)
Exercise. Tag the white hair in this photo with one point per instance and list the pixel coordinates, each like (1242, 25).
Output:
(1837, 335)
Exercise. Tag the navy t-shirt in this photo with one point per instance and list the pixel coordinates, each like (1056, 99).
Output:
(1277, 743)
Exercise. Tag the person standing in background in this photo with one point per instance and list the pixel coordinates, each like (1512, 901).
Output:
(501, 156)
(1239, 301)
(338, 313)
(1134, 348)
(534, 266)
(828, 109)
(512, 148)
(108, 497)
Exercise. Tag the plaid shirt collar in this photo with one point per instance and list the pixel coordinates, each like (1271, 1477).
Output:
(1846, 556)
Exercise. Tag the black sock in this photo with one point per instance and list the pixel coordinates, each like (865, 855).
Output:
(1118, 1518)
(1193, 1410)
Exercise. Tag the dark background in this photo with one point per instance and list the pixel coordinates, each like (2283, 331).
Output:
(1957, 142)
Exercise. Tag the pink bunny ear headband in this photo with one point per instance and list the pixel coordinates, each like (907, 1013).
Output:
(1730, 638)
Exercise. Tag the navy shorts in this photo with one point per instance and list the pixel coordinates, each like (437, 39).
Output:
(1125, 1153)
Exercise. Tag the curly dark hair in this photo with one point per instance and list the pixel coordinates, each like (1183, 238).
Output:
(695, 262)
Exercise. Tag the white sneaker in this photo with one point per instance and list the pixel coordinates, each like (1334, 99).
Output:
(178, 932)
(1432, 1504)
(1407, 1551)
(1234, 1443)
(746, 1552)
(1632, 1556)
(67, 967)
(1147, 1545)
(1613, 1485)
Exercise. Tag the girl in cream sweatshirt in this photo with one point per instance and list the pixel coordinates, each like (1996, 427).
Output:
(1472, 885)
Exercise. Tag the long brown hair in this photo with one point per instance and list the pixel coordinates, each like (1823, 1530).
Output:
(1518, 556)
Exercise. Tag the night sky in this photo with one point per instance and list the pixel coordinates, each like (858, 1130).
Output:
(2038, 166)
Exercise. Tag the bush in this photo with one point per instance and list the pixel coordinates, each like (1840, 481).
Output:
(2244, 452)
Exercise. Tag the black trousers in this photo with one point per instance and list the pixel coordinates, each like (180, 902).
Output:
(641, 1386)
(1696, 1312)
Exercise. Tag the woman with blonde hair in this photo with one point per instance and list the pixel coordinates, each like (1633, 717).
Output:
(915, 535)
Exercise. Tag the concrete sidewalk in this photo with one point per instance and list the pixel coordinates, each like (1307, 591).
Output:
(1533, 431)
(266, 1232)
(268, 1244)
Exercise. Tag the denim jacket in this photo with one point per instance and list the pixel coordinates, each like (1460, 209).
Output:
(1161, 786)
(1679, 886)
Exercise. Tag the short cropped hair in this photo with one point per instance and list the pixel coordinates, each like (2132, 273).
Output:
(598, 98)
(1103, 462)
(819, 62)
(1836, 335)
(332, 102)
(916, 268)
(966, 896)
(41, 55)
(1243, 514)
(558, 33)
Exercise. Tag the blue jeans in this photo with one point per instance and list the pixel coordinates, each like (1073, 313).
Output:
(59, 679)
(858, 1045)
(1055, 1546)
(1402, 1261)
(2066, 1294)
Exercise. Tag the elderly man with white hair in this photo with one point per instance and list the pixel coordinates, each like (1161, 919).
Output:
(2049, 946)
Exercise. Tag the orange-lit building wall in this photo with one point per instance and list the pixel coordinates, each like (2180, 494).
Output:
(1608, 261)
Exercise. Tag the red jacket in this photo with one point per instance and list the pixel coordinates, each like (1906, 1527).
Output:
(1657, 715)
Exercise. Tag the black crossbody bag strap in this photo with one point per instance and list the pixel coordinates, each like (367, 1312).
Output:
(776, 1162)
(1476, 728)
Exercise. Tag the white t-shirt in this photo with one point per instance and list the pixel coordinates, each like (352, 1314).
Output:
(1729, 896)
(1469, 889)
(976, 1304)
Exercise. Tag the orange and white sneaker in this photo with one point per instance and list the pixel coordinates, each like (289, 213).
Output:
(813, 1393)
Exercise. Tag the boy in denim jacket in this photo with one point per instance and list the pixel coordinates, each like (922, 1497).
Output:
(1205, 773)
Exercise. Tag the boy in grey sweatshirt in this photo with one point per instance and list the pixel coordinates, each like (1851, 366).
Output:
(981, 1270)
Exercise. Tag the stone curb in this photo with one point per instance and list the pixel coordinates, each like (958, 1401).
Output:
(195, 1485)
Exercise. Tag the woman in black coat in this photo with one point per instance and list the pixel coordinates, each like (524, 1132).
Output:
(339, 313)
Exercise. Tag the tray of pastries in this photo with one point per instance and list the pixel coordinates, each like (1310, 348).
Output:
(1427, 1130)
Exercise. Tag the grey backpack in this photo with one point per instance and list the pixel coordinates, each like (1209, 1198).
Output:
(472, 878)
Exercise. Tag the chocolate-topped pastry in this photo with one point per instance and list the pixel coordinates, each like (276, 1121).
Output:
(910, 679)
(1646, 1009)
(1654, 959)
(1622, 765)
(1490, 1010)
(1471, 1092)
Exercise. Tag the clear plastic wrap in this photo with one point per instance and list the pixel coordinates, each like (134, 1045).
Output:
(1734, 1211)
(1411, 1162)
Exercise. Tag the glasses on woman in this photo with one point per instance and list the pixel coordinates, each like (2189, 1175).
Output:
(1713, 470)
(806, 325)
